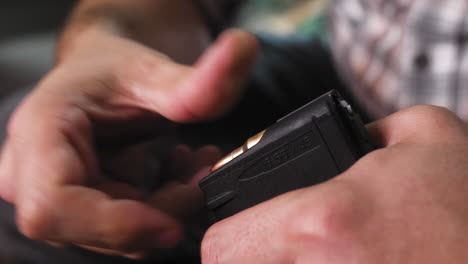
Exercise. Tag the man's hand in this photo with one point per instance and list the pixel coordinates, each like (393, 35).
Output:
(110, 92)
(404, 203)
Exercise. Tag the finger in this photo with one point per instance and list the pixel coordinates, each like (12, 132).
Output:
(50, 204)
(204, 159)
(118, 190)
(186, 94)
(185, 199)
(84, 216)
(58, 245)
(216, 82)
(181, 201)
(183, 163)
(115, 132)
(129, 164)
(49, 207)
(7, 173)
(206, 156)
(254, 235)
(135, 255)
(296, 227)
(416, 124)
(145, 164)
(178, 163)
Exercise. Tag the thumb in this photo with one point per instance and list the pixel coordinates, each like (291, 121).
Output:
(215, 83)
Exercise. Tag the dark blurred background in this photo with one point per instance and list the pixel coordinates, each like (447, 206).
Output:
(27, 35)
(19, 17)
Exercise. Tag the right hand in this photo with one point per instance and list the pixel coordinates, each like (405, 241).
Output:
(108, 90)
(403, 203)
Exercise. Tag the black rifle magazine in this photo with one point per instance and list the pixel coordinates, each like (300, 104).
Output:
(309, 146)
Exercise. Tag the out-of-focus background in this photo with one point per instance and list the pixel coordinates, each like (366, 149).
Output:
(285, 17)
(27, 30)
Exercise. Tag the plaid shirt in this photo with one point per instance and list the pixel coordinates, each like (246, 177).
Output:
(399, 53)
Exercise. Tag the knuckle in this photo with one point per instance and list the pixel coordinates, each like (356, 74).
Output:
(334, 218)
(331, 219)
(118, 78)
(209, 250)
(431, 111)
(138, 72)
(429, 124)
(135, 71)
(432, 118)
(34, 220)
(377, 160)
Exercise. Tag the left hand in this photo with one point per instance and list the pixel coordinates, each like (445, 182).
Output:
(404, 203)
(75, 159)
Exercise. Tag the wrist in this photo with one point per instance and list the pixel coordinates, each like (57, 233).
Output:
(174, 28)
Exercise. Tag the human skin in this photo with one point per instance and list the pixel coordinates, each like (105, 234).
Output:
(124, 67)
(404, 203)
(125, 70)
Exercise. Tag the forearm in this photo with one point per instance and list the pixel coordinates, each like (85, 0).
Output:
(174, 27)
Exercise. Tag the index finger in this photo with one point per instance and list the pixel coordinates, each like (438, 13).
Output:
(417, 124)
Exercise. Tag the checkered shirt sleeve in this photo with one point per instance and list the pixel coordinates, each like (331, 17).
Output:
(399, 53)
